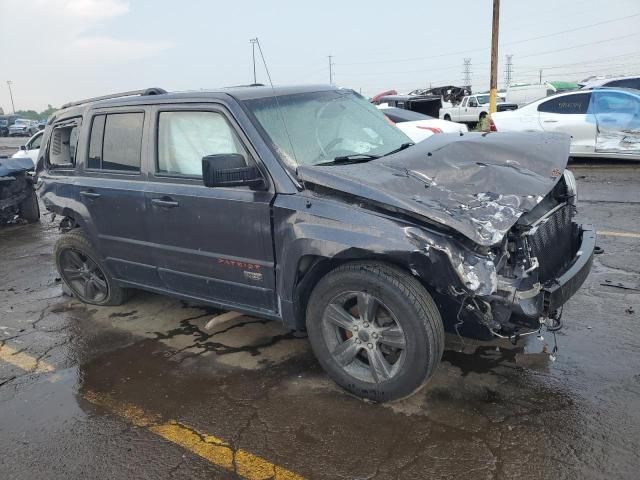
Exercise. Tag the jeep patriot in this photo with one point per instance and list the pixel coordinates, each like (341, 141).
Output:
(305, 206)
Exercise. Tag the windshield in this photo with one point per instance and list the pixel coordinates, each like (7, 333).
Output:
(321, 126)
(482, 99)
(21, 122)
(4, 123)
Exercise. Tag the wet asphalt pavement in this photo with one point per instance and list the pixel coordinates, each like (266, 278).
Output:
(146, 391)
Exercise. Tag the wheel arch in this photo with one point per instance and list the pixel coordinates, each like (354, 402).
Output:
(312, 268)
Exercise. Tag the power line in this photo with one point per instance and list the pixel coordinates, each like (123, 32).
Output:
(503, 44)
(580, 46)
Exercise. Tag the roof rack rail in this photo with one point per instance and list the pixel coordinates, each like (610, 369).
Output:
(146, 91)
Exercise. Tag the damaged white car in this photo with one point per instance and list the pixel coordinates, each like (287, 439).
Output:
(603, 122)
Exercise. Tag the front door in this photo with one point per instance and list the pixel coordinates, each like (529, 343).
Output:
(208, 243)
(618, 120)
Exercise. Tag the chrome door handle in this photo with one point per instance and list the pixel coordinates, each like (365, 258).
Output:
(164, 203)
(550, 121)
(89, 194)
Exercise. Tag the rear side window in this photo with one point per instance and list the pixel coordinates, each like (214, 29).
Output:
(64, 141)
(568, 105)
(185, 137)
(115, 142)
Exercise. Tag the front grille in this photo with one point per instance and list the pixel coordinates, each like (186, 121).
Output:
(552, 243)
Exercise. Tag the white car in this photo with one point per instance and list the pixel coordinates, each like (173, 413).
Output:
(31, 148)
(602, 122)
(418, 126)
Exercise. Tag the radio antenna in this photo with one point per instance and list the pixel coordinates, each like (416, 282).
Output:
(275, 97)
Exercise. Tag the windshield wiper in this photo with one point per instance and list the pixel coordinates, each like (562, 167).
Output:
(353, 158)
(400, 148)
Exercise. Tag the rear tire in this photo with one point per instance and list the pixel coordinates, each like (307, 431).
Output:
(83, 274)
(375, 330)
(29, 209)
(447, 117)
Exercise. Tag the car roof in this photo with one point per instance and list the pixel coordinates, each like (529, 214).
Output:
(242, 93)
(405, 115)
(598, 82)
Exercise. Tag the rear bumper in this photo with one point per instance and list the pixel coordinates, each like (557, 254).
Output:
(557, 292)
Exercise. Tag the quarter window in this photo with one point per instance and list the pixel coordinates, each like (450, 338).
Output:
(185, 137)
(115, 142)
(567, 104)
(64, 141)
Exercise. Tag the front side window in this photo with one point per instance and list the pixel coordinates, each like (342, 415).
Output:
(616, 110)
(567, 104)
(464, 102)
(64, 140)
(35, 143)
(115, 142)
(185, 137)
(316, 127)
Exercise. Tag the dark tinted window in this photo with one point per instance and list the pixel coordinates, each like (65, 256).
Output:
(95, 142)
(568, 104)
(625, 83)
(399, 115)
(122, 141)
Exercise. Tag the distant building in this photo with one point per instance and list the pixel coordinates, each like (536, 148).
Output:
(1, 111)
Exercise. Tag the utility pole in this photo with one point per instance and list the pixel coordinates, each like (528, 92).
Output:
(493, 84)
(466, 79)
(13, 107)
(540, 77)
(253, 42)
(331, 69)
(508, 71)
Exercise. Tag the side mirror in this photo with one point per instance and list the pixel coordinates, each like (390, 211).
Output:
(23, 147)
(230, 170)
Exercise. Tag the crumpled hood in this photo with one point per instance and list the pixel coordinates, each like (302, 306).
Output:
(478, 184)
(9, 166)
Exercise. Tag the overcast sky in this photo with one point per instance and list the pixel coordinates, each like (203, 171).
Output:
(59, 50)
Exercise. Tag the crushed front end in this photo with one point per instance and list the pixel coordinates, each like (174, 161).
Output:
(542, 261)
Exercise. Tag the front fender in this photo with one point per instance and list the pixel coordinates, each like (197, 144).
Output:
(333, 229)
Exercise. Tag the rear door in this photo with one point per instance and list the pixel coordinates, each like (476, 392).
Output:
(570, 114)
(112, 191)
(618, 122)
(209, 243)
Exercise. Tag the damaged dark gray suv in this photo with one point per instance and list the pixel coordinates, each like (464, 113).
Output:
(305, 205)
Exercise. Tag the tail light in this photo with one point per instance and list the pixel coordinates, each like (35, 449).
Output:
(492, 126)
(431, 129)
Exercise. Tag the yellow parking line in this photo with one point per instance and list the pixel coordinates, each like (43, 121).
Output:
(23, 361)
(607, 233)
(212, 449)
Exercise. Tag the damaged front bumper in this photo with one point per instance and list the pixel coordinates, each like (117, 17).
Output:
(514, 308)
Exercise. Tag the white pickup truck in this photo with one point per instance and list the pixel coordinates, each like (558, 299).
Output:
(473, 108)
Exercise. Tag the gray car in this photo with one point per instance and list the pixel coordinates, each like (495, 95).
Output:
(304, 205)
(23, 128)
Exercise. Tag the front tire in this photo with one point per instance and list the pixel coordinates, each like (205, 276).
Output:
(447, 117)
(81, 271)
(375, 330)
